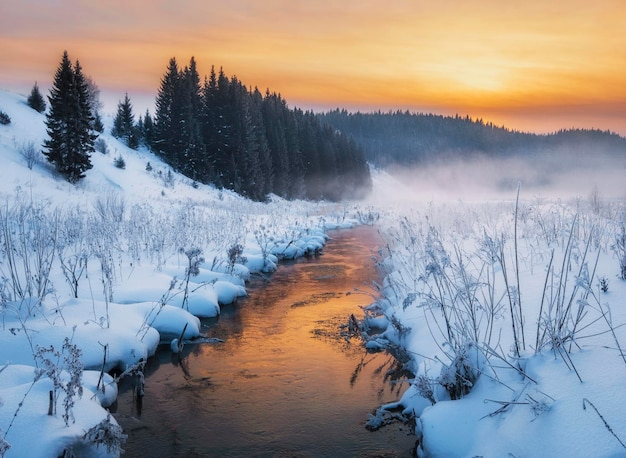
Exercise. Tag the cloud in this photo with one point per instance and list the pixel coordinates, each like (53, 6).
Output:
(474, 57)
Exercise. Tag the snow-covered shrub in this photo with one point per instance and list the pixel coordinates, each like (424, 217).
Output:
(425, 387)
(194, 259)
(108, 435)
(265, 239)
(119, 162)
(73, 251)
(65, 369)
(28, 243)
(235, 256)
(111, 208)
(30, 154)
(5, 119)
(100, 145)
(167, 178)
(459, 377)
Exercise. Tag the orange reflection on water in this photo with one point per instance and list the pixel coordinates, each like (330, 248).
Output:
(284, 380)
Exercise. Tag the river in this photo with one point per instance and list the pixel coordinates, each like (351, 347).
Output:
(284, 382)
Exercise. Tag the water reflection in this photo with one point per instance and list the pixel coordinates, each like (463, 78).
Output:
(285, 381)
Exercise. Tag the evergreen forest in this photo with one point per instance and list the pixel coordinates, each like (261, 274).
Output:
(404, 138)
(217, 130)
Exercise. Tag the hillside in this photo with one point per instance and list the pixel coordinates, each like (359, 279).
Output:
(27, 127)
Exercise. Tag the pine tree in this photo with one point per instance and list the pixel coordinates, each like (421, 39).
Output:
(124, 123)
(273, 119)
(97, 122)
(147, 130)
(35, 100)
(192, 160)
(69, 122)
(169, 135)
(208, 128)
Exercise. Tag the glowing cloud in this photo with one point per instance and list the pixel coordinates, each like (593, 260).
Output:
(534, 65)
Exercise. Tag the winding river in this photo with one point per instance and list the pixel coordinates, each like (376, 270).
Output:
(284, 382)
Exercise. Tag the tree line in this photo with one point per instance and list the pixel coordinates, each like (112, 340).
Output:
(406, 138)
(215, 131)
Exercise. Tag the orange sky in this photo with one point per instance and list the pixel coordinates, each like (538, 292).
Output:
(535, 65)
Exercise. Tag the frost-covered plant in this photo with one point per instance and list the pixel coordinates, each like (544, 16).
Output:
(111, 208)
(425, 387)
(72, 249)
(400, 327)
(65, 369)
(167, 178)
(107, 434)
(383, 417)
(368, 216)
(194, 259)
(603, 283)
(563, 302)
(28, 242)
(619, 247)
(30, 154)
(155, 311)
(459, 377)
(265, 239)
(119, 162)
(606, 424)
(235, 253)
(5, 119)
(4, 445)
(100, 145)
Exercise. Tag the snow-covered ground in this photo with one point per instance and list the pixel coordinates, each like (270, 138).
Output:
(510, 313)
(512, 317)
(94, 277)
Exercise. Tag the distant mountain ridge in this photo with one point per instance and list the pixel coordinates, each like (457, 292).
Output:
(405, 138)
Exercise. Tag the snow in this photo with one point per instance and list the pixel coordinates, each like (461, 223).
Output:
(561, 395)
(557, 393)
(128, 237)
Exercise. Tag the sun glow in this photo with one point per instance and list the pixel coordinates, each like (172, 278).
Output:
(479, 57)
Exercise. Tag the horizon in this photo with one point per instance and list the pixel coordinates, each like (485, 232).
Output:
(535, 68)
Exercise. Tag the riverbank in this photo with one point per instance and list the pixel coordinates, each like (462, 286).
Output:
(116, 280)
(510, 314)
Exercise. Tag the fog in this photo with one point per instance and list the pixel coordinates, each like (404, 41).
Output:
(479, 178)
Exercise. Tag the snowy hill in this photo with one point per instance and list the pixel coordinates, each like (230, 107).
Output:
(28, 127)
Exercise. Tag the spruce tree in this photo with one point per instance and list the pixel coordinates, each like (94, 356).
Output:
(69, 122)
(147, 129)
(124, 123)
(192, 157)
(97, 122)
(168, 140)
(35, 100)
(208, 126)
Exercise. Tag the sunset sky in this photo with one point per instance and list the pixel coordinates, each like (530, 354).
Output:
(536, 65)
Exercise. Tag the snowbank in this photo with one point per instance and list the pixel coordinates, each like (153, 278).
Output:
(513, 324)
